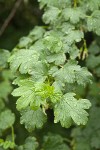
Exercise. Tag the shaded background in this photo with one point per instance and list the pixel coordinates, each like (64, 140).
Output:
(26, 17)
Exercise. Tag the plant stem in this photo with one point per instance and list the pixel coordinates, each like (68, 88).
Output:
(12, 132)
(75, 3)
(67, 140)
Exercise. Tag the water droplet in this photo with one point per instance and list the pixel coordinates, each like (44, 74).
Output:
(75, 105)
(74, 115)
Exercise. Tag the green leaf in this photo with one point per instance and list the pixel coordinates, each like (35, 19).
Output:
(82, 144)
(7, 75)
(37, 46)
(7, 119)
(67, 72)
(93, 61)
(88, 138)
(23, 60)
(54, 142)
(24, 42)
(30, 144)
(72, 50)
(4, 55)
(66, 27)
(48, 18)
(93, 4)
(48, 93)
(70, 109)
(8, 144)
(94, 48)
(20, 147)
(35, 95)
(93, 22)
(4, 92)
(33, 119)
(57, 58)
(95, 140)
(83, 76)
(39, 71)
(53, 42)
(71, 72)
(26, 91)
(73, 36)
(56, 3)
(36, 33)
(73, 14)
(97, 70)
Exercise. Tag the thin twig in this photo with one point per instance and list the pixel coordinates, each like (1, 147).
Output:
(9, 18)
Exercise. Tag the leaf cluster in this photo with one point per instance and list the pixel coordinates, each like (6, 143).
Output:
(52, 68)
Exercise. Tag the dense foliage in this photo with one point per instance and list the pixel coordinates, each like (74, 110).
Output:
(53, 75)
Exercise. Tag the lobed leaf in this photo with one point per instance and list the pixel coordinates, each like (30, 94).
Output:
(73, 14)
(33, 118)
(54, 142)
(7, 119)
(70, 109)
(30, 144)
(4, 55)
(93, 22)
(23, 60)
(48, 18)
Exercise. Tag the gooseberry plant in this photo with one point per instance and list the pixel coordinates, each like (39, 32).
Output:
(49, 67)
